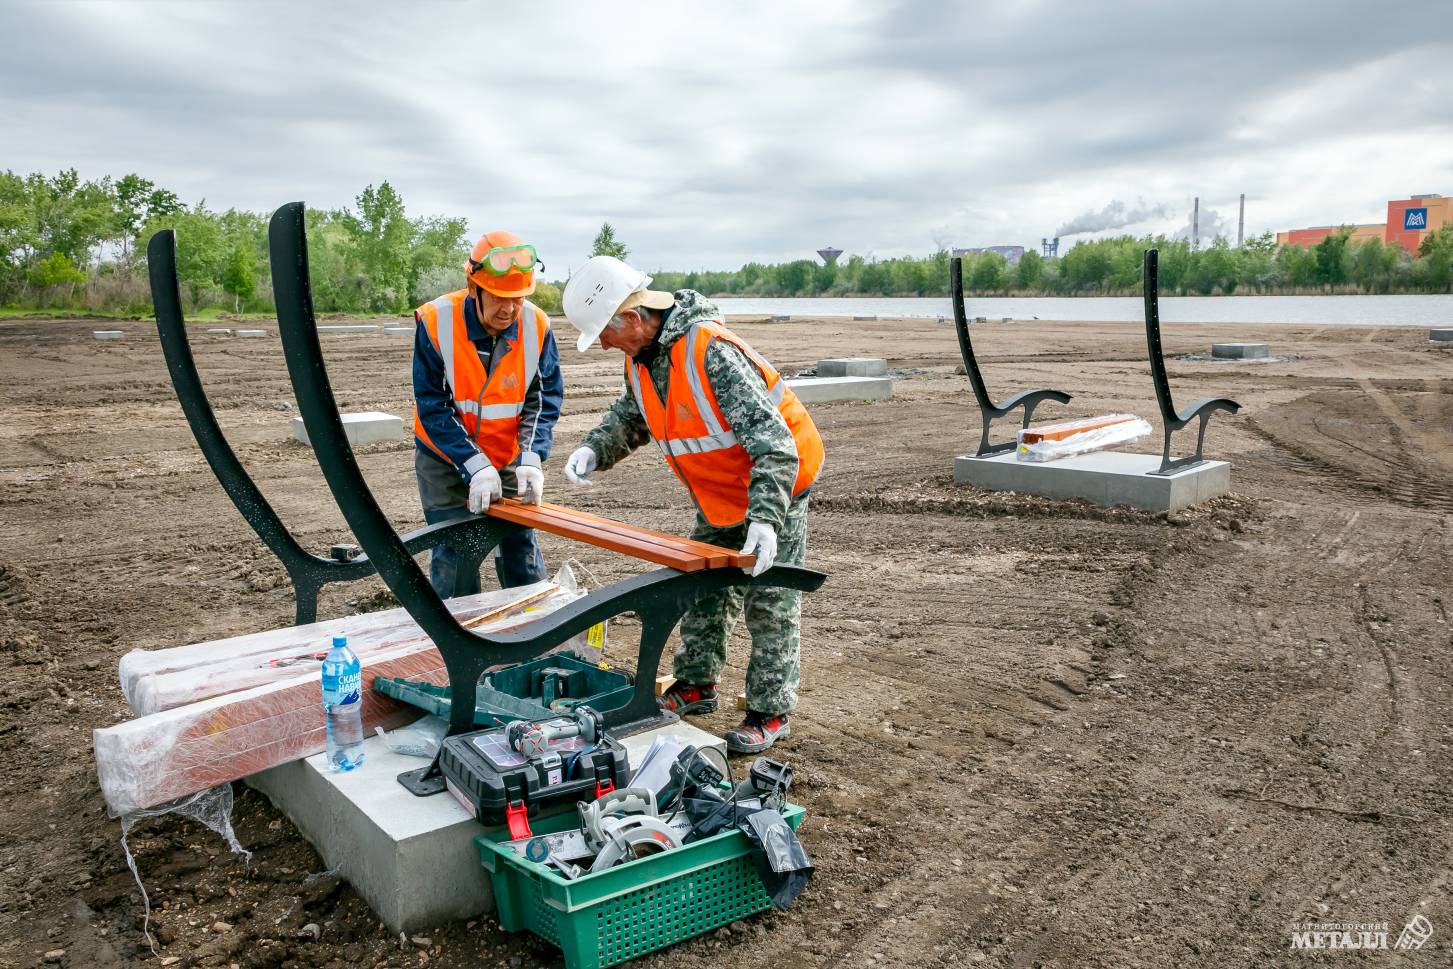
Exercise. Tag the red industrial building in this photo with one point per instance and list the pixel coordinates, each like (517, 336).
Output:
(1408, 223)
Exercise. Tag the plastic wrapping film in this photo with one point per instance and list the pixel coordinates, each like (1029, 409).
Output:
(158, 758)
(1050, 442)
(159, 679)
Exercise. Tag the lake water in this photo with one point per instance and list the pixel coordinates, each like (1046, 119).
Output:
(1419, 310)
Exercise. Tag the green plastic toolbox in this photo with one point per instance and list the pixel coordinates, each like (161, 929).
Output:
(624, 912)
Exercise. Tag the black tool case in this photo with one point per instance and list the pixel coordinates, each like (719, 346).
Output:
(500, 786)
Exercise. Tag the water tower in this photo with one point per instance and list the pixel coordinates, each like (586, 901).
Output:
(829, 255)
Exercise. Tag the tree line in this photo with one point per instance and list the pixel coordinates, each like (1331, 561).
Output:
(1108, 267)
(71, 244)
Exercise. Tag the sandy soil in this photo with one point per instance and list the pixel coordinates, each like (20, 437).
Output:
(1032, 733)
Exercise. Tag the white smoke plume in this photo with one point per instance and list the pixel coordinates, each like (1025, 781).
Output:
(1212, 225)
(1113, 216)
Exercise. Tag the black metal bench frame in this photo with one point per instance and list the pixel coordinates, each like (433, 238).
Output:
(660, 598)
(309, 573)
(988, 410)
(1172, 419)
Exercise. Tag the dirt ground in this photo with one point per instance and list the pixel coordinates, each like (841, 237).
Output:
(1032, 733)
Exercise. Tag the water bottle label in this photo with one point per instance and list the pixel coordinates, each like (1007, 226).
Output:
(350, 686)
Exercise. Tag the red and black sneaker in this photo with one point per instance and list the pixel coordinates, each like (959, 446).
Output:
(757, 732)
(684, 699)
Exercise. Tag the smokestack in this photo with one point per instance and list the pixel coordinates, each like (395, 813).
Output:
(1196, 225)
(1241, 222)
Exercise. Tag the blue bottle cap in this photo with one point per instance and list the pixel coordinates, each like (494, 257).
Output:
(340, 641)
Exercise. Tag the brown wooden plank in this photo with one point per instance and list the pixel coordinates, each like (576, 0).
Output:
(593, 534)
(717, 556)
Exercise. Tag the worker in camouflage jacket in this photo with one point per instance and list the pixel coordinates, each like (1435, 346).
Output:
(741, 442)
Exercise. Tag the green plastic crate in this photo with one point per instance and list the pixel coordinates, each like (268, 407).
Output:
(624, 912)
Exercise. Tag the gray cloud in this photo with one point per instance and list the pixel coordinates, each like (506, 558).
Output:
(710, 135)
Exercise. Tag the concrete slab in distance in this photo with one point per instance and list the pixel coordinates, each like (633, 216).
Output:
(349, 328)
(109, 334)
(398, 329)
(411, 858)
(1240, 351)
(1103, 477)
(220, 331)
(852, 367)
(1442, 335)
(826, 390)
(370, 427)
(251, 333)
(865, 317)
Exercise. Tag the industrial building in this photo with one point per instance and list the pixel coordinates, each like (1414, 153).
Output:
(1408, 222)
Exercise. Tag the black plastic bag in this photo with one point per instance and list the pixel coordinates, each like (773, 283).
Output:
(781, 861)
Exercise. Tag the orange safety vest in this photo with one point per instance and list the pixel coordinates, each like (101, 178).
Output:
(489, 406)
(698, 442)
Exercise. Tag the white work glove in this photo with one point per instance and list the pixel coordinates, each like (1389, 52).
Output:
(530, 485)
(484, 487)
(761, 540)
(581, 463)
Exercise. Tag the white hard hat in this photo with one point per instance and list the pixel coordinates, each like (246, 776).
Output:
(599, 290)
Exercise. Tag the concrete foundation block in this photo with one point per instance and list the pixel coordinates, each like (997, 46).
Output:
(349, 328)
(370, 427)
(109, 334)
(1240, 351)
(398, 329)
(778, 319)
(220, 331)
(1103, 477)
(852, 367)
(411, 858)
(1006, 319)
(1442, 335)
(825, 390)
(251, 333)
(865, 317)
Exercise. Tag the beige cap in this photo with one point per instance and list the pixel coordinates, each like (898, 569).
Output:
(653, 299)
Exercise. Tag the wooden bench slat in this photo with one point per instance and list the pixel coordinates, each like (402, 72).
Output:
(717, 555)
(592, 533)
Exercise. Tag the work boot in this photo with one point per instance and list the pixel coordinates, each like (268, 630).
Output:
(757, 732)
(684, 699)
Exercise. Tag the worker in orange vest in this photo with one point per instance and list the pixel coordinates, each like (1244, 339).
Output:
(487, 393)
(741, 442)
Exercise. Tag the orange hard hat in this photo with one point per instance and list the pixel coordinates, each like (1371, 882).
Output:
(501, 263)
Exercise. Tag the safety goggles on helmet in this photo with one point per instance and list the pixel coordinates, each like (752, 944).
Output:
(502, 260)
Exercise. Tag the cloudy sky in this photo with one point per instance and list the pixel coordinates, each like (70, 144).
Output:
(711, 134)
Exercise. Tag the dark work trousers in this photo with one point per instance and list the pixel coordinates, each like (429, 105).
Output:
(445, 496)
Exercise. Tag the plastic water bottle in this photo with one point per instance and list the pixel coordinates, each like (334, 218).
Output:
(343, 706)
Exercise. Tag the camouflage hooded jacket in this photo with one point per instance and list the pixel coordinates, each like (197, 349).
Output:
(741, 393)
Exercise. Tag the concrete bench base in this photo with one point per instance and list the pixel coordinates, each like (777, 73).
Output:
(398, 329)
(109, 334)
(1240, 351)
(852, 367)
(220, 331)
(826, 390)
(349, 328)
(411, 858)
(1444, 335)
(251, 333)
(370, 427)
(1104, 477)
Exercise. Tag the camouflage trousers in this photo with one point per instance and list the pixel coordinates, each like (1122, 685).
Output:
(773, 619)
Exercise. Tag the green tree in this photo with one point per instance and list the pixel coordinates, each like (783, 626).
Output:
(1331, 257)
(990, 272)
(239, 276)
(606, 243)
(1435, 259)
(1031, 267)
(380, 238)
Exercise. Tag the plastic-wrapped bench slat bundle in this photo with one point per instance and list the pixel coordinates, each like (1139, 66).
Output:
(198, 744)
